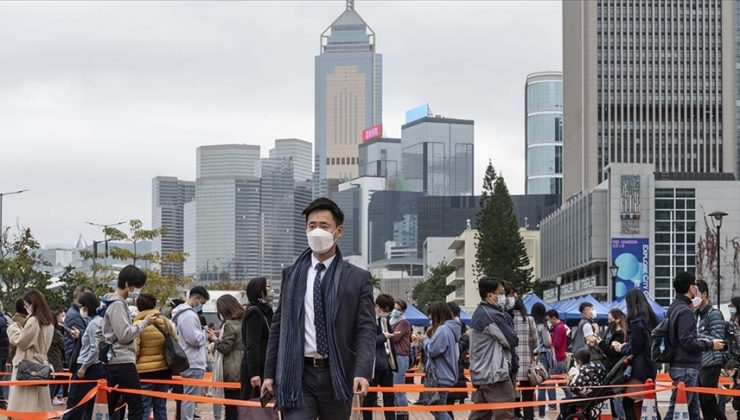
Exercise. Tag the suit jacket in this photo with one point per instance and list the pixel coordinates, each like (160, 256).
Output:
(354, 323)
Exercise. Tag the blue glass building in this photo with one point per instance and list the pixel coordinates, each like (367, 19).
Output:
(544, 133)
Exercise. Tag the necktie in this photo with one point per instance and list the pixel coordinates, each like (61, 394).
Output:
(319, 319)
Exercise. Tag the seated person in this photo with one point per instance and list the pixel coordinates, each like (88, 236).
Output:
(585, 375)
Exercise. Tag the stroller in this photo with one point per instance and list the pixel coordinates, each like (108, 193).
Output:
(591, 410)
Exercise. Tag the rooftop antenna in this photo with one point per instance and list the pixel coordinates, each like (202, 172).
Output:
(350, 4)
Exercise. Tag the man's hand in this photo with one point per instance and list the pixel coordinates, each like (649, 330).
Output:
(617, 345)
(75, 333)
(255, 381)
(151, 318)
(360, 386)
(81, 372)
(388, 336)
(717, 344)
(267, 386)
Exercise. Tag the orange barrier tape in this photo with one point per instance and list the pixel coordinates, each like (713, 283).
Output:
(534, 388)
(716, 391)
(37, 415)
(501, 406)
(183, 397)
(41, 383)
(194, 382)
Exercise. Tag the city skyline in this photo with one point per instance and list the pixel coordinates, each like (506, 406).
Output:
(101, 116)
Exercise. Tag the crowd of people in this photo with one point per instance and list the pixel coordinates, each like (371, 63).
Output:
(332, 337)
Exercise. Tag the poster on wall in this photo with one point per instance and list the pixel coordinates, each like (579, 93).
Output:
(632, 258)
(629, 194)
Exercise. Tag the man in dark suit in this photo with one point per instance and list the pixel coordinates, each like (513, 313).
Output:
(322, 340)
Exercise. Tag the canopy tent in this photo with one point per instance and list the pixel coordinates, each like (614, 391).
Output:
(530, 299)
(600, 308)
(465, 318)
(567, 309)
(659, 310)
(415, 317)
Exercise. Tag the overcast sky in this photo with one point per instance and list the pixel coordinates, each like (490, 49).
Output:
(97, 98)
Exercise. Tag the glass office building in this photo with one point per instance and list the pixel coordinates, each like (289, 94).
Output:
(544, 133)
(169, 196)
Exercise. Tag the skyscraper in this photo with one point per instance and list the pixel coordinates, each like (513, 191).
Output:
(544, 133)
(381, 157)
(227, 212)
(437, 156)
(297, 150)
(647, 82)
(348, 97)
(169, 196)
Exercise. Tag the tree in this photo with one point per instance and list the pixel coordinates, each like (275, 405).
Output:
(377, 283)
(501, 252)
(18, 267)
(229, 285)
(162, 281)
(434, 288)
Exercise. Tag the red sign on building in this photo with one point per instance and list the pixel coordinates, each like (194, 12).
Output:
(372, 132)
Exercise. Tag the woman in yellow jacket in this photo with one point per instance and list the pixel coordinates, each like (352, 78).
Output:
(150, 361)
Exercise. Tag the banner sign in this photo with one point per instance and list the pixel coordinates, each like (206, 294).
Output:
(372, 132)
(632, 257)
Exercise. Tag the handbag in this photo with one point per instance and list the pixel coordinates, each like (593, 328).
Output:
(537, 374)
(29, 370)
(431, 381)
(257, 413)
(174, 356)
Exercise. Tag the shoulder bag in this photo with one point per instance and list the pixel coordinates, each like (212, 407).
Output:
(174, 356)
(31, 370)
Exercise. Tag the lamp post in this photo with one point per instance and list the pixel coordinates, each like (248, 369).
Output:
(1, 206)
(717, 223)
(613, 270)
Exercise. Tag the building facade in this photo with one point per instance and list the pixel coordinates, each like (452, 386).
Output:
(300, 152)
(384, 210)
(381, 157)
(227, 196)
(356, 195)
(543, 99)
(638, 229)
(647, 82)
(169, 196)
(437, 156)
(348, 97)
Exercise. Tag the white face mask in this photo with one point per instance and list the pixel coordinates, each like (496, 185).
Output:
(696, 301)
(502, 300)
(510, 301)
(320, 240)
(733, 311)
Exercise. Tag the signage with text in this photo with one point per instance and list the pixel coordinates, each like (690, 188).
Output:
(372, 132)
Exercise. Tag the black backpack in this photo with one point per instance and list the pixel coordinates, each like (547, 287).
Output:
(661, 350)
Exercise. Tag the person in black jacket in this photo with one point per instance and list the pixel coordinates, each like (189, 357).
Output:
(4, 343)
(385, 356)
(74, 326)
(640, 322)
(711, 325)
(615, 333)
(255, 333)
(684, 339)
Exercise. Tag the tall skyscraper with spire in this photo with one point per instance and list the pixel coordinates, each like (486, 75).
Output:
(348, 98)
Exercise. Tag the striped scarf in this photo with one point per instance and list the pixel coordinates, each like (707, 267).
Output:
(289, 379)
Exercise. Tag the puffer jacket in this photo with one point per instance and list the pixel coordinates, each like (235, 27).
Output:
(711, 325)
(56, 351)
(150, 344)
(493, 344)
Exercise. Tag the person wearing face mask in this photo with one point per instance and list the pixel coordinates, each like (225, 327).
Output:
(401, 340)
(256, 333)
(88, 364)
(193, 339)
(385, 358)
(74, 326)
(229, 346)
(586, 334)
(493, 357)
(684, 339)
(325, 323)
(711, 325)
(118, 331)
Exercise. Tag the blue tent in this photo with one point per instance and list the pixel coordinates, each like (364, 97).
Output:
(465, 318)
(659, 310)
(568, 309)
(531, 299)
(415, 317)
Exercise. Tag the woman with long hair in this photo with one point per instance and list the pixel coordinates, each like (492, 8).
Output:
(56, 357)
(526, 331)
(32, 342)
(442, 351)
(255, 333)
(544, 352)
(640, 322)
(614, 333)
(230, 349)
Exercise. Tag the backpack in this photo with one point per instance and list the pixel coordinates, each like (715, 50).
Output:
(661, 350)
(731, 352)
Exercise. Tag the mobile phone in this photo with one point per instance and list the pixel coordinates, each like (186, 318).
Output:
(266, 398)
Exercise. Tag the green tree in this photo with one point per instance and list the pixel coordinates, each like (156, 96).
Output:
(19, 262)
(162, 281)
(434, 288)
(501, 252)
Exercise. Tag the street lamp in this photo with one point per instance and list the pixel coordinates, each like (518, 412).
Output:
(717, 223)
(613, 270)
(1, 206)
(105, 233)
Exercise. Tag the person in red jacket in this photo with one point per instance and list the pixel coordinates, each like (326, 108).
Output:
(559, 344)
